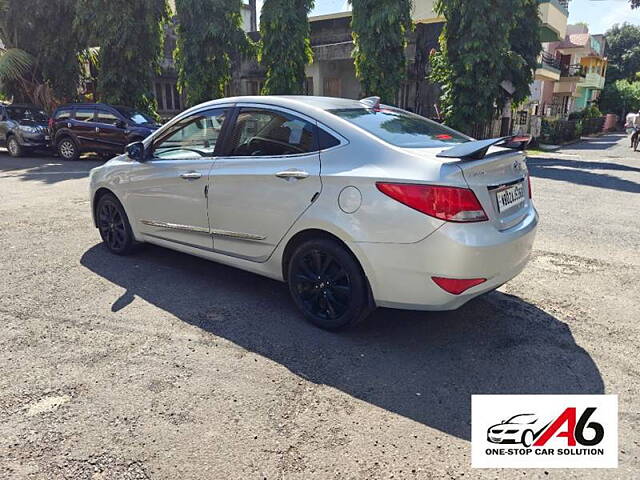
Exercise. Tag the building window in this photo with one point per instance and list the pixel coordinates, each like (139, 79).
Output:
(168, 95)
(253, 87)
(308, 86)
(332, 87)
(159, 96)
(176, 97)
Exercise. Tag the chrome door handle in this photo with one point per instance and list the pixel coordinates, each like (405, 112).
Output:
(191, 175)
(97, 129)
(292, 173)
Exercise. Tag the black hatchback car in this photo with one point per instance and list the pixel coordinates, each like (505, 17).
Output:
(97, 127)
(23, 128)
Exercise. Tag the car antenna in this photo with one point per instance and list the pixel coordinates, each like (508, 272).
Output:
(372, 102)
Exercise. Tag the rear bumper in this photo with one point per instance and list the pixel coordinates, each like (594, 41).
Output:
(400, 274)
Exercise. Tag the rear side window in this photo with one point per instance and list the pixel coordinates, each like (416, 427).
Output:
(64, 114)
(84, 114)
(105, 116)
(326, 140)
(400, 128)
(264, 133)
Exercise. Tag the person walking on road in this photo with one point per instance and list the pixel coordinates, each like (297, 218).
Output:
(633, 123)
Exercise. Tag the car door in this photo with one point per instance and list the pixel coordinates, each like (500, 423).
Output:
(109, 131)
(83, 127)
(267, 177)
(167, 193)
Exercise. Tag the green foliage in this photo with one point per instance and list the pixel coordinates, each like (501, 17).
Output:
(623, 52)
(43, 31)
(484, 43)
(621, 97)
(522, 58)
(209, 33)
(285, 47)
(129, 35)
(379, 33)
(591, 111)
(14, 63)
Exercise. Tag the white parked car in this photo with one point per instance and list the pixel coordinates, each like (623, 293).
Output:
(353, 203)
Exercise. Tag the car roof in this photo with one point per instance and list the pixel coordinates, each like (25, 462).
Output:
(84, 104)
(301, 102)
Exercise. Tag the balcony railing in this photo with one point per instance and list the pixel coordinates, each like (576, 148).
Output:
(549, 61)
(575, 70)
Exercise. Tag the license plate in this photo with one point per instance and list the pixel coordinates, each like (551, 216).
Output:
(510, 197)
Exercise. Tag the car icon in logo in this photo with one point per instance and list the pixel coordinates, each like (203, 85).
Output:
(523, 428)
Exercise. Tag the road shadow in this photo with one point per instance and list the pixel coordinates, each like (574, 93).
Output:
(423, 366)
(583, 173)
(45, 168)
(597, 143)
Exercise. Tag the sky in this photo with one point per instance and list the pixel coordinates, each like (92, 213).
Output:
(598, 14)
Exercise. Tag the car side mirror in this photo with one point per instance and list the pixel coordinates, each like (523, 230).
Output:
(121, 124)
(135, 151)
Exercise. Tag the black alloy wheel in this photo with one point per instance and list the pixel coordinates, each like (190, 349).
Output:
(328, 285)
(114, 226)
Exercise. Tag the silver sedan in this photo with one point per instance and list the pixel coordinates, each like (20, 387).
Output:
(352, 203)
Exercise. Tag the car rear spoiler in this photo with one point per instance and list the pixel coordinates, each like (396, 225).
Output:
(477, 149)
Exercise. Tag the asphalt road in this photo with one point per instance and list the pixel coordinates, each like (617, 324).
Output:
(165, 366)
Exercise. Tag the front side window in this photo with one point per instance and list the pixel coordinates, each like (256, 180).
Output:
(135, 117)
(85, 114)
(400, 128)
(263, 133)
(192, 137)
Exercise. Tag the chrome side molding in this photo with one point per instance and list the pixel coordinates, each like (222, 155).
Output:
(240, 235)
(175, 226)
(215, 233)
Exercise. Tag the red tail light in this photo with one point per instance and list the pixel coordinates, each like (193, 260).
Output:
(529, 184)
(457, 285)
(446, 203)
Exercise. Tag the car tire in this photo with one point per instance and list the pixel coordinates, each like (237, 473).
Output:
(14, 147)
(527, 438)
(68, 150)
(327, 284)
(113, 225)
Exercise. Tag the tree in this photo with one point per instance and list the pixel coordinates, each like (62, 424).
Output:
(285, 48)
(635, 3)
(488, 52)
(525, 47)
(209, 33)
(129, 35)
(379, 34)
(621, 97)
(623, 52)
(40, 63)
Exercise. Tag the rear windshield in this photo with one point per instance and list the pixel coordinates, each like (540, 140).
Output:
(400, 128)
